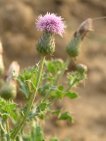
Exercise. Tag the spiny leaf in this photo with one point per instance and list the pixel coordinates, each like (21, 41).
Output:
(65, 116)
(37, 134)
(7, 109)
(27, 80)
(74, 78)
(55, 66)
(71, 95)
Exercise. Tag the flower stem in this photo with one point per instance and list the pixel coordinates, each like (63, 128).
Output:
(29, 105)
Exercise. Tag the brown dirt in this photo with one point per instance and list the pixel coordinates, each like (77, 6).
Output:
(18, 34)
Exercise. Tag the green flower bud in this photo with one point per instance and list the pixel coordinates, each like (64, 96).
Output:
(81, 68)
(74, 46)
(8, 90)
(46, 44)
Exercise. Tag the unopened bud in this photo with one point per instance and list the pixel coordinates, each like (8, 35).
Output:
(85, 27)
(8, 90)
(1, 60)
(74, 45)
(13, 71)
(81, 68)
(46, 44)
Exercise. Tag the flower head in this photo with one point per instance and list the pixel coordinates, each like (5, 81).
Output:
(50, 23)
(85, 27)
(13, 71)
(73, 47)
(81, 68)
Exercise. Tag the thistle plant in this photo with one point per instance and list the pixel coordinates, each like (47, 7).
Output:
(42, 85)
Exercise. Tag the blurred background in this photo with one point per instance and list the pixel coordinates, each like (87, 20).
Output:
(19, 35)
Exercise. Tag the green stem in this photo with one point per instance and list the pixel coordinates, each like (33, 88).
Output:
(3, 131)
(7, 125)
(29, 105)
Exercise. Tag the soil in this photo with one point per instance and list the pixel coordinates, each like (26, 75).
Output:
(19, 35)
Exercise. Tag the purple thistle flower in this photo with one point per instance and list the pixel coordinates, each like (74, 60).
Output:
(50, 23)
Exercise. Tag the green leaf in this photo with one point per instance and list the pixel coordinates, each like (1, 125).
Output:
(7, 109)
(57, 92)
(27, 80)
(37, 134)
(65, 116)
(40, 110)
(55, 66)
(44, 89)
(71, 95)
(43, 106)
(24, 88)
(74, 78)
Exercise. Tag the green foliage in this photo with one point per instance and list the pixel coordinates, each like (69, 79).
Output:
(42, 108)
(75, 77)
(47, 93)
(55, 66)
(7, 109)
(71, 95)
(63, 115)
(27, 80)
(37, 134)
